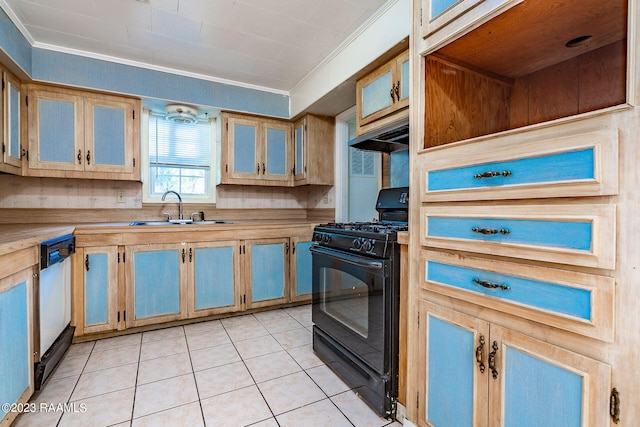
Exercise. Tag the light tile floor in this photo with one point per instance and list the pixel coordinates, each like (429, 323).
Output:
(256, 369)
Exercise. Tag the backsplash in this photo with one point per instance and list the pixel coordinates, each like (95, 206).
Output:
(54, 193)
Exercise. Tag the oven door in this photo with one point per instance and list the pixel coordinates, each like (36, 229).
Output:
(352, 303)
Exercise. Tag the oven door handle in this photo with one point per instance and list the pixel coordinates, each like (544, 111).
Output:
(348, 258)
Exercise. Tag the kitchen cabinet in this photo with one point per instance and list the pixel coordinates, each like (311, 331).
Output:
(256, 150)
(453, 16)
(301, 273)
(10, 124)
(214, 279)
(96, 293)
(76, 134)
(155, 282)
(16, 341)
(382, 97)
(474, 373)
(266, 269)
(314, 150)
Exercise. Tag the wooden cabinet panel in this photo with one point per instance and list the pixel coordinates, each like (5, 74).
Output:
(301, 274)
(541, 384)
(314, 150)
(578, 165)
(267, 271)
(214, 278)
(16, 352)
(76, 134)
(568, 234)
(10, 124)
(383, 95)
(474, 373)
(156, 291)
(100, 289)
(256, 150)
(577, 302)
(452, 387)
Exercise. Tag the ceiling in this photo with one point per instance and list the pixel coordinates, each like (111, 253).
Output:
(271, 44)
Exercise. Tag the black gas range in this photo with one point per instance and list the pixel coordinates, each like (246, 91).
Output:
(356, 294)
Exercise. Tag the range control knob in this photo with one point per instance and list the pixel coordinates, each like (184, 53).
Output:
(356, 244)
(317, 237)
(367, 245)
(326, 238)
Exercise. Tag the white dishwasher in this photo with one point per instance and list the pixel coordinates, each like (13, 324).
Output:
(53, 332)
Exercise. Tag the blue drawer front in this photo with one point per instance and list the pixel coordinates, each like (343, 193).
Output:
(544, 295)
(562, 167)
(560, 234)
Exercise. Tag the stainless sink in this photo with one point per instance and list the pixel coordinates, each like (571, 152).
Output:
(178, 222)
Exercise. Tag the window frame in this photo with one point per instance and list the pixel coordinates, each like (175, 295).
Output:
(147, 197)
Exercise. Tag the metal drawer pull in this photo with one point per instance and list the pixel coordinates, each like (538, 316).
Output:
(479, 354)
(492, 360)
(491, 174)
(490, 285)
(490, 230)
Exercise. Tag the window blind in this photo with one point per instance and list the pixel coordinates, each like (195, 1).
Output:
(178, 144)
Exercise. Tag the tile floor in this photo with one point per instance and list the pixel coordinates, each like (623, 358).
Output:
(251, 370)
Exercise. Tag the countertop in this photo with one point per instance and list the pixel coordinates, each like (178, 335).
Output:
(14, 237)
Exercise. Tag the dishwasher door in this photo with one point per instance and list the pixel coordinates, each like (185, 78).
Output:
(55, 302)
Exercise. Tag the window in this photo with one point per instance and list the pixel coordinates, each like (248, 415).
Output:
(179, 158)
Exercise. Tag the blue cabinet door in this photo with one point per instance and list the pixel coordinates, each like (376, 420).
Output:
(301, 266)
(15, 341)
(454, 391)
(277, 151)
(109, 128)
(539, 384)
(100, 289)
(268, 265)
(156, 283)
(215, 284)
(57, 120)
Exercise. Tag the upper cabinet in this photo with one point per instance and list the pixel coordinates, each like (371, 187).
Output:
(11, 160)
(383, 96)
(452, 16)
(256, 150)
(313, 150)
(77, 134)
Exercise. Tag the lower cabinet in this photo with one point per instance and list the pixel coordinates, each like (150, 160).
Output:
(122, 286)
(16, 352)
(99, 289)
(266, 268)
(214, 278)
(474, 373)
(156, 285)
(301, 273)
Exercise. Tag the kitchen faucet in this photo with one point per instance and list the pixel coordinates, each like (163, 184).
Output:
(179, 203)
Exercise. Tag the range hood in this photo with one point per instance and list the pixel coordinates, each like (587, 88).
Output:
(390, 138)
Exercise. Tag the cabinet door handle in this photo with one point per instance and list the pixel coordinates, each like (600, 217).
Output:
(391, 93)
(79, 157)
(86, 262)
(490, 285)
(293, 248)
(397, 89)
(263, 169)
(490, 230)
(479, 354)
(286, 248)
(491, 174)
(183, 255)
(492, 360)
(258, 169)
(88, 157)
(190, 254)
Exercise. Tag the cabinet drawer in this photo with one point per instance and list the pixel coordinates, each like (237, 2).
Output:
(567, 234)
(577, 302)
(579, 165)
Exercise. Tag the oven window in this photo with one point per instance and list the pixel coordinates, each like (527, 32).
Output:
(346, 299)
